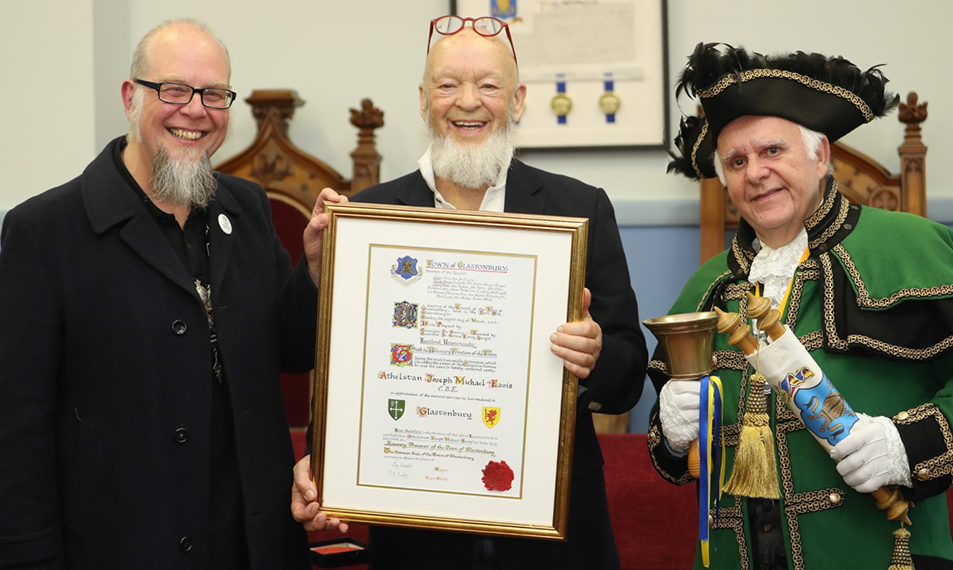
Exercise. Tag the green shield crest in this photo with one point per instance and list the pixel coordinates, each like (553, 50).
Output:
(395, 408)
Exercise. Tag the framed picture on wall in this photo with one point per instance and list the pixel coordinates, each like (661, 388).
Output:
(595, 70)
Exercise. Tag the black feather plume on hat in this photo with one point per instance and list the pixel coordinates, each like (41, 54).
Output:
(690, 129)
(830, 95)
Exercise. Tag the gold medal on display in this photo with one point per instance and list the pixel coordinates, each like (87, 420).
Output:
(561, 104)
(610, 103)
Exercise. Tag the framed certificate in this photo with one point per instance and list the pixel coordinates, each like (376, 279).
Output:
(438, 402)
(595, 70)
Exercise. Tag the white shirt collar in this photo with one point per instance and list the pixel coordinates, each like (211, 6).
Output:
(493, 200)
(775, 267)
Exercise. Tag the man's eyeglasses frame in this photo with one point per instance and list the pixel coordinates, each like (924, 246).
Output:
(231, 95)
(473, 24)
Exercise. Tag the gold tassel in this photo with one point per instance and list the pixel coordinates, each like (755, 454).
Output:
(754, 473)
(901, 559)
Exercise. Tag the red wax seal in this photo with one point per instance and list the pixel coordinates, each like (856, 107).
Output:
(497, 476)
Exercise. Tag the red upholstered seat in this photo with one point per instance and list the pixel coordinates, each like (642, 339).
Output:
(289, 222)
(655, 523)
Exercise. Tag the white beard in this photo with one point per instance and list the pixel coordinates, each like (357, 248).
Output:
(186, 180)
(472, 167)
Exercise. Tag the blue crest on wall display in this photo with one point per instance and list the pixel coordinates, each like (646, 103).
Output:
(503, 9)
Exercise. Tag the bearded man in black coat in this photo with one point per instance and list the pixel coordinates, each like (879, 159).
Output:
(148, 307)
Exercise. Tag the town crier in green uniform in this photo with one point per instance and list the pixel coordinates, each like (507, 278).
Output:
(867, 292)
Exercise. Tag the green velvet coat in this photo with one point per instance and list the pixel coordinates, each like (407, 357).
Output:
(872, 304)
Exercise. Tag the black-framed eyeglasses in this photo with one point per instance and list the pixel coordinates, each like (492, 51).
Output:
(486, 26)
(181, 94)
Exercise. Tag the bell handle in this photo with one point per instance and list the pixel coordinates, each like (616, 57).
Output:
(694, 467)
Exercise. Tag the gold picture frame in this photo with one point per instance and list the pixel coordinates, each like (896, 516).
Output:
(437, 401)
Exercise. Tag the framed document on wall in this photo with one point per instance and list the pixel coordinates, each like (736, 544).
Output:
(438, 403)
(595, 70)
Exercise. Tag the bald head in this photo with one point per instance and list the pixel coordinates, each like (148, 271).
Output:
(494, 51)
(171, 31)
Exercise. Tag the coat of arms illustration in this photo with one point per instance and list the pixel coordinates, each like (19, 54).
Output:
(406, 271)
(395, 408)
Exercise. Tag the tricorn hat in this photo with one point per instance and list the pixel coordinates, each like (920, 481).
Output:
(829, 95)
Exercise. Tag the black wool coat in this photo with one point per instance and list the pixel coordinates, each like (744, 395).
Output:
(105, 378)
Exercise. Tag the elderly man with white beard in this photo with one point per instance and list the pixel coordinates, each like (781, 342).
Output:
(471, 99)
(148, 307)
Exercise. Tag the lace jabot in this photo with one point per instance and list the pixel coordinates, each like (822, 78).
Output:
(774, 267)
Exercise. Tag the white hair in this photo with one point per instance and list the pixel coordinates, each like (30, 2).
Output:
(135, 114)
(812, 143)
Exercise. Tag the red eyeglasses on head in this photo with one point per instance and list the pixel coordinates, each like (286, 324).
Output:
(486, 26)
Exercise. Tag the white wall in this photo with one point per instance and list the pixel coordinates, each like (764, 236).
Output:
(46, 95)
(335, 53)
(111, 59)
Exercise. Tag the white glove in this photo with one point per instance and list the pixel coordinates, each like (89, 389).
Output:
(678, 411)
(872, 455)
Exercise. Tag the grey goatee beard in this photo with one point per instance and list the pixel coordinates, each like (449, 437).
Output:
(472, 167)
(188, 181)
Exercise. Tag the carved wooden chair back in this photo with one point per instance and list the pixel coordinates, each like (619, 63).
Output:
(292, 179)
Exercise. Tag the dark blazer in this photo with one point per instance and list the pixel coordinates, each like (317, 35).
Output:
(105, 379)
(614, 386)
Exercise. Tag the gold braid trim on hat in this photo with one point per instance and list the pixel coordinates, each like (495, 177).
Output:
(698, 143)
(822, 86)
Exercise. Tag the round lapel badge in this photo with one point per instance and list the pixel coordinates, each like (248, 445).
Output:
(225, 224)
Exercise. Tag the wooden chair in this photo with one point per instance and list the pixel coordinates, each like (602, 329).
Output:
(860, 178)
(292, 179)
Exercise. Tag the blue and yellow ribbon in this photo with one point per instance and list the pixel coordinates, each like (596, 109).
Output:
(711, 448)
